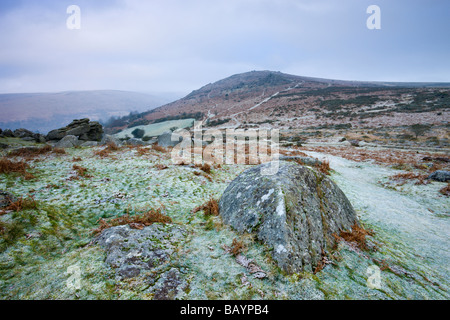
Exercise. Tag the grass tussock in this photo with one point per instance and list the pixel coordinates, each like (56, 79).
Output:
(138, 221)
(19, 167)
(324, 167)
(445, 190)
(357, 236)
(210, 208)
(237, 247)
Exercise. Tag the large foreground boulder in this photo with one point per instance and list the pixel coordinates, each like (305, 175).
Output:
(295, 211)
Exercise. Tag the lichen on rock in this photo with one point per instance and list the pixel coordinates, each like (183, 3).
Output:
(295, 212)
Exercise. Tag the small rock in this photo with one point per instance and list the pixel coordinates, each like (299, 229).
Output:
(6, 198)
(89, 144)
(440, 175)
(110, 139)
(165, 139)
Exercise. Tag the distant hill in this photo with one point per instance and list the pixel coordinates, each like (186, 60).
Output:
(46, 111)
(275, 99)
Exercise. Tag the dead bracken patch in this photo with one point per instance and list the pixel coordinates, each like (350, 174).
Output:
(357, 235)
(19, 167)
(160, 166)
(210, 208)
(138, 221)
(32, 152)
(110, 147)
(158, 148)
(236, 247)
(81, 171)
(324, 167)
(204, 167)
(20, 204)
(421, 178)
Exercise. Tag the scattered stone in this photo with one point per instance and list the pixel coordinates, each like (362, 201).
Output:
(6, 198)
(169, 285)
(295, 211)
(68, 142)
(165, 139)
(135, 251)
(440, 175)
(135, 142)
(305, 160)
(355, 143)
(110, 139)
(89, 144)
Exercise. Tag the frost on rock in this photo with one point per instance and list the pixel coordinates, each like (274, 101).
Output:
(147, 252)
(294, 211)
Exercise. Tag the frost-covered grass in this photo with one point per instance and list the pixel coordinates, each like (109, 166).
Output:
(156, 129)
(47, 243)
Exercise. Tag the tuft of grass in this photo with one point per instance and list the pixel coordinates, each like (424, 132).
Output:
(236, 247)
(324, 167)
(357, 235)
(210, 208)
(445, 190)
(138, 221)
(20, 167)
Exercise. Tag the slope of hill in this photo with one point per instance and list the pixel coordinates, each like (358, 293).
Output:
(46, 111)
(275, 99)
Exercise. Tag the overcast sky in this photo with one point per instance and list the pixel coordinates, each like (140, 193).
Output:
(181, 45)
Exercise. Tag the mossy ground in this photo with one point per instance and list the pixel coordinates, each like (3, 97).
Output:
(40, 248)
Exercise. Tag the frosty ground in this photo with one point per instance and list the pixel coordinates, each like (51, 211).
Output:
(410, 245)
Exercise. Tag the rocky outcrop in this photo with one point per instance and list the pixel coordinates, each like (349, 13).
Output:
(24, 134)
(295, 211)
(83, 129)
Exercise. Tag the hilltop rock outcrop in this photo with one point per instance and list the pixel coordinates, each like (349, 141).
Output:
(83, 129)
(295, 211)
